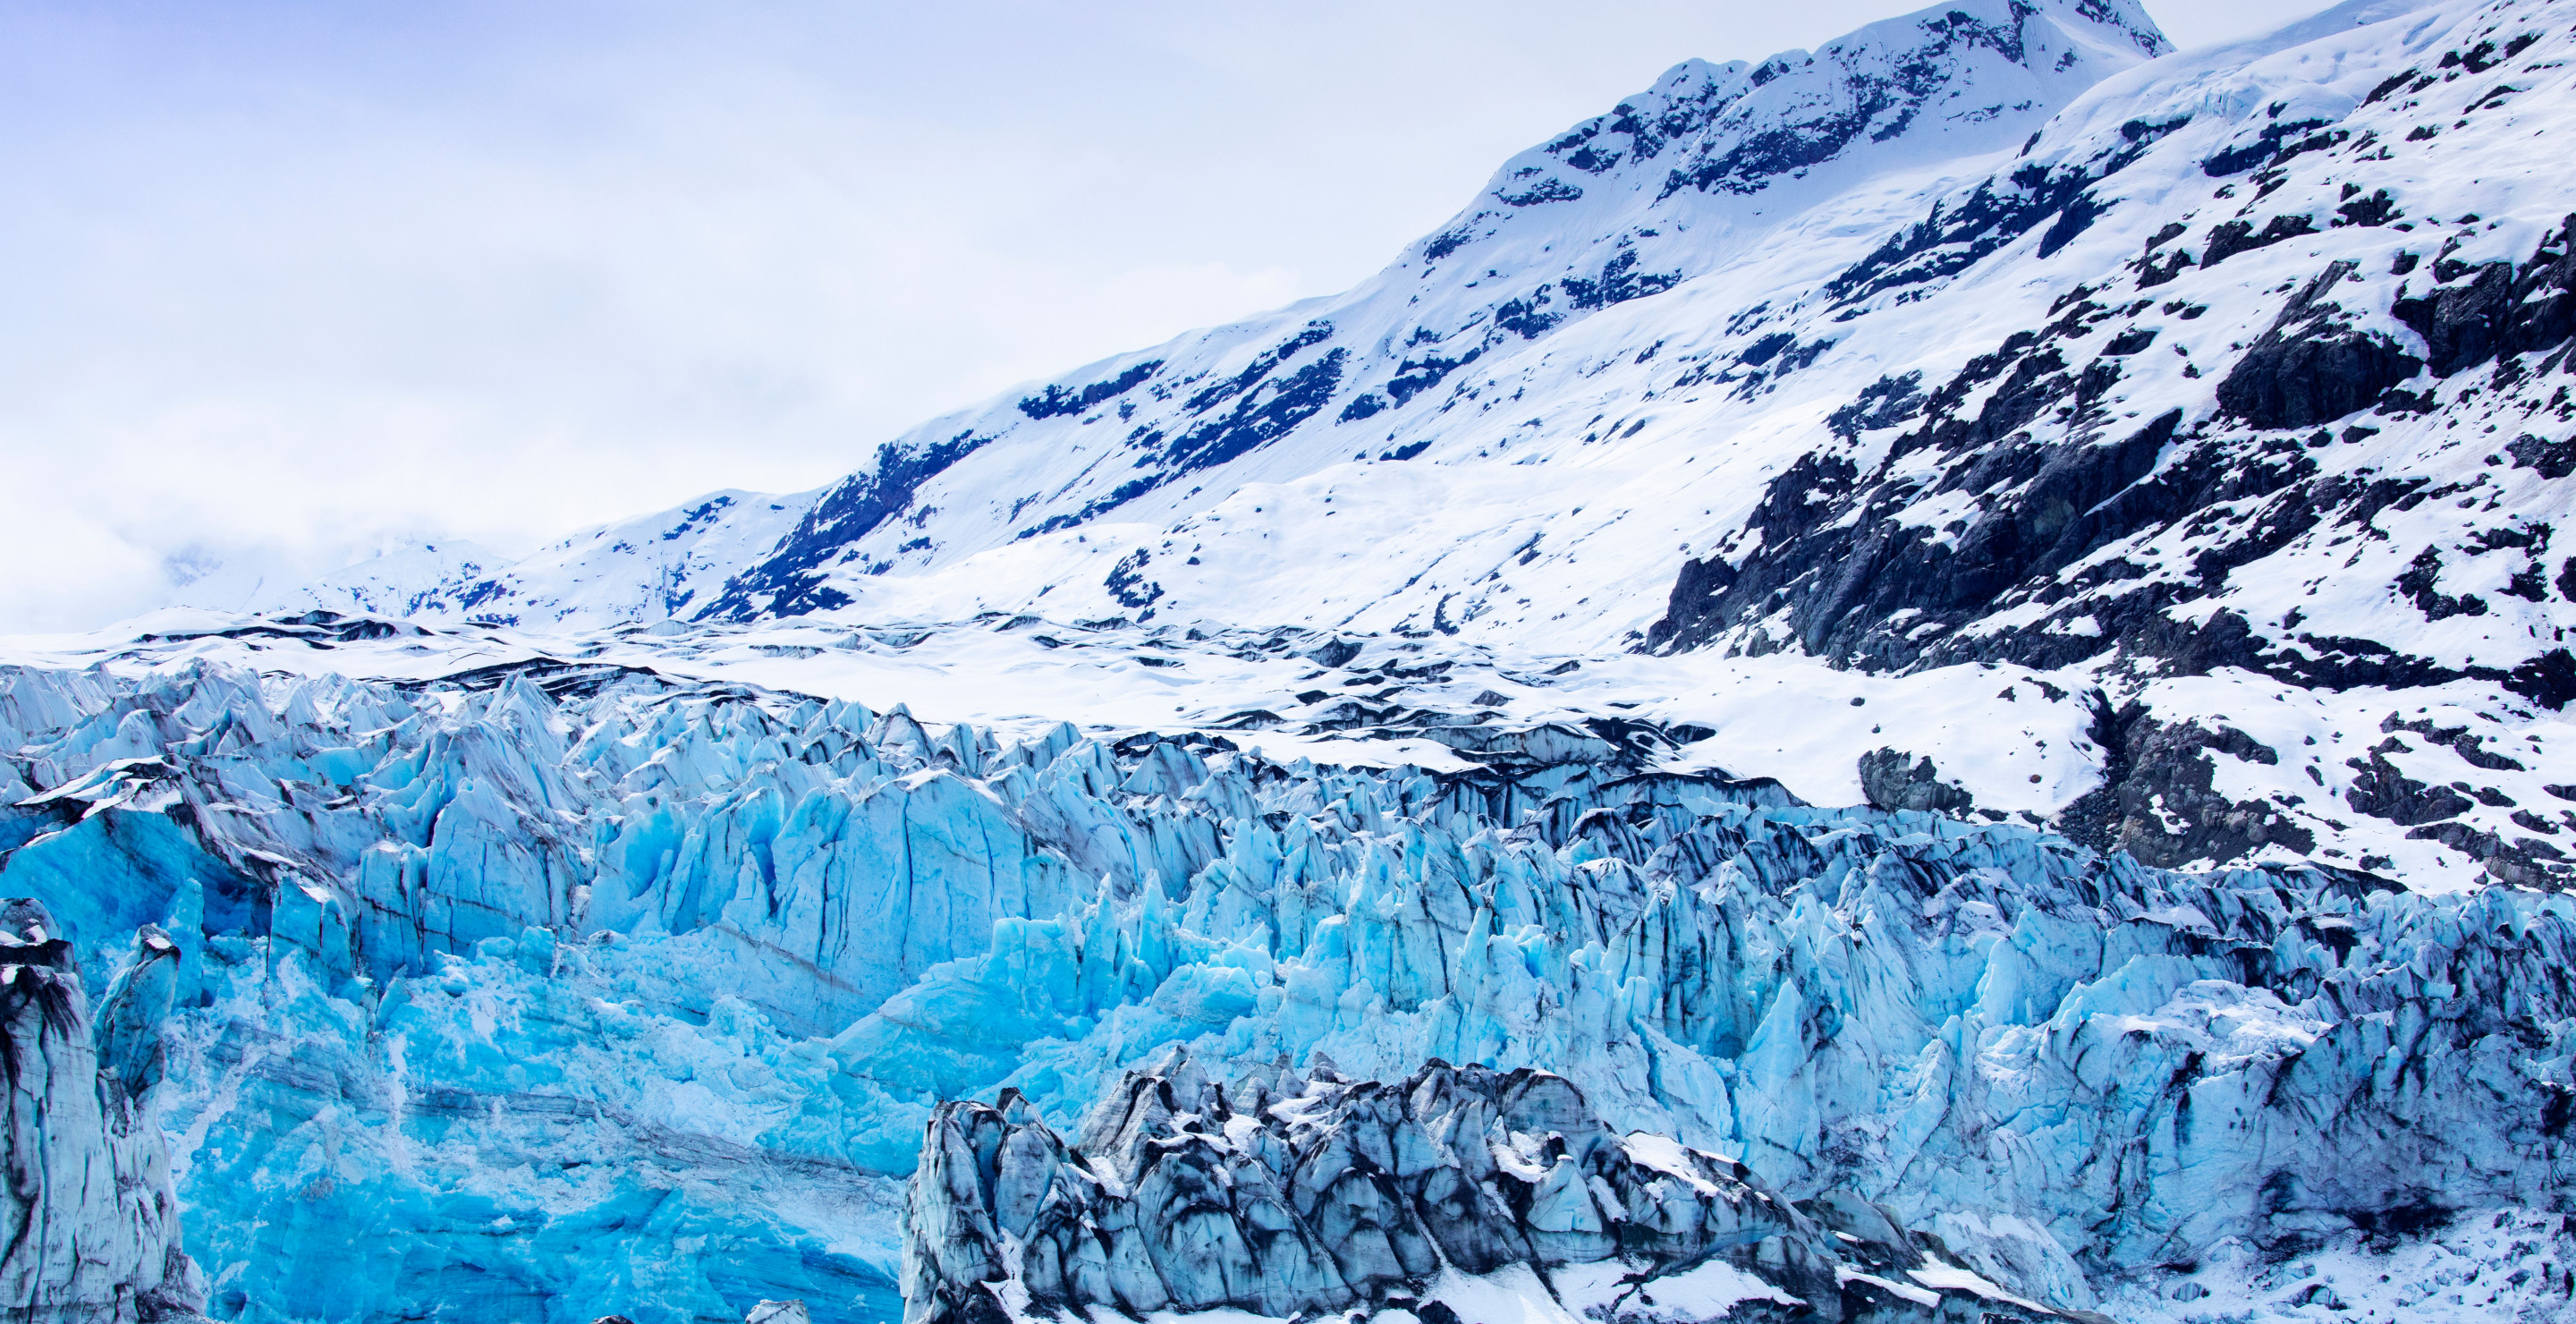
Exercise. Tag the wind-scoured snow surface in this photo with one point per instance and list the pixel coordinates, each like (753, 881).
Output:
(2129, 477)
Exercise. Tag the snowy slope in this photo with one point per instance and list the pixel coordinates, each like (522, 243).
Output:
(1878, 358)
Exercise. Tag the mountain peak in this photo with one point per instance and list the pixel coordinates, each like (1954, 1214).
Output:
(1740, 128)
(1701, 169)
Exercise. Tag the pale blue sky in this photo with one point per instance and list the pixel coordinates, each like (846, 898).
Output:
(282, 281)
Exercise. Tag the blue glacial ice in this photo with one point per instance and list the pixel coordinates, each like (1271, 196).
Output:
(569, 991)
(95, 1227)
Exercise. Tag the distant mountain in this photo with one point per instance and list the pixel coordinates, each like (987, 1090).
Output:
(649, 568)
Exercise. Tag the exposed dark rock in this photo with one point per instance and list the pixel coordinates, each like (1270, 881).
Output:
(1833, 557)
(2382, 791)
(2548, 680)
(1618, 282)
(2460, 739)
(1055, 400)
(789, 582)
(1333, 652)
(2415, 584)
(1127, 582)
(2554, 459)
(1845, 581)
(2528, 862)
(1892, 779)
(2157, 801)
(2311, 367)
(2499, 310)
(2377, 209)
(2229, 238)
(1951, 240)
(2273, 143)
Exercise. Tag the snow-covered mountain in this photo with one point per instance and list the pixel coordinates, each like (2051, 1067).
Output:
(649, 568)
(1335, 812)
(1977, 337)
(1737, 168)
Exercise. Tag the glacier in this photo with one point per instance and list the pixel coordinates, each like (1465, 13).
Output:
(95, 1227)
(1909, 681)
(638, 994)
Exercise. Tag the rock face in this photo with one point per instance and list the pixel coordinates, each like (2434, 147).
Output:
(1890, 779)
(2157, 800)
(1288, 1194)
(2309, 367)
(2031, 503)
(92, 1225)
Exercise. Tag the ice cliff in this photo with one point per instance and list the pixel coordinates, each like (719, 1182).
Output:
(92, 1224)
(501, 989)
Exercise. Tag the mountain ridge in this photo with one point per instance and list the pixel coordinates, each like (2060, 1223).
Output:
(2175, 384)
(1645, 196)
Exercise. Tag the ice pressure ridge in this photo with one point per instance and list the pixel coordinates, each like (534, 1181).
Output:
(501, 988)
(1288, 1194)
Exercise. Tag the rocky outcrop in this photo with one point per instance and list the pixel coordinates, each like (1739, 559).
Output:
(1892, 779)
(2158, 801)
(2311, 367)
(1288, 1194)
(93, 1229)
(2477, 314)
(2430, 810)
(2315, 377)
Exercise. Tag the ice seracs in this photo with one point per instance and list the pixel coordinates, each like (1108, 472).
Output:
(1285, 1195)
(94, 1227)
(537, 972)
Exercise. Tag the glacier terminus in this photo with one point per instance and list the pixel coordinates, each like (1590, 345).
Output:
(1926, 680)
